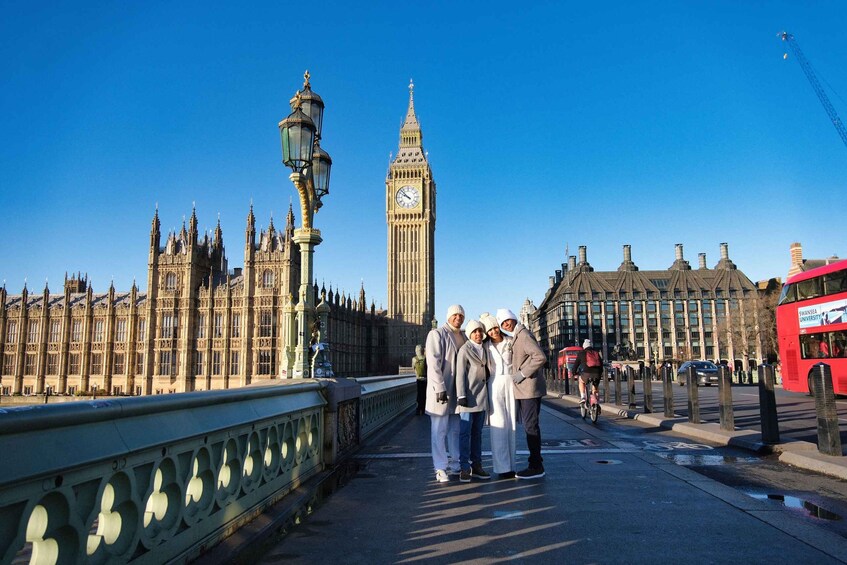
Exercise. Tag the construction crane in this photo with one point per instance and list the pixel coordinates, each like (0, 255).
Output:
(816, 86)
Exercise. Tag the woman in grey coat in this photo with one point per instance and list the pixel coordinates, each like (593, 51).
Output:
(472, 401)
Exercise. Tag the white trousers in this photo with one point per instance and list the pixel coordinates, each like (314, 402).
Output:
(445, 435)
(502, 423)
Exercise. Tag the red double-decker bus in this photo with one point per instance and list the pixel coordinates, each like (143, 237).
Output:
(567, 357)
(811, 325)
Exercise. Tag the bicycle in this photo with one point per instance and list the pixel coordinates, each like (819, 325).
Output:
(591, 407)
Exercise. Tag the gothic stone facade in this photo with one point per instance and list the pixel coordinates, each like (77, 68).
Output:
(675, 314)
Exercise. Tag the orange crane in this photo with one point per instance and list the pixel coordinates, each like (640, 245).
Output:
(816, 86)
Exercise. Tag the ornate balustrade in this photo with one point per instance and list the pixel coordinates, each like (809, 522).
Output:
(156, 479)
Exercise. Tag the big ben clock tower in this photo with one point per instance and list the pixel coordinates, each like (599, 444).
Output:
(410, 214)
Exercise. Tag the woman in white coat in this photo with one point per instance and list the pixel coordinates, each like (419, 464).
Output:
(501, 399)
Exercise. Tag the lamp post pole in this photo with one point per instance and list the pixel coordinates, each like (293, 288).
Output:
(300, 134)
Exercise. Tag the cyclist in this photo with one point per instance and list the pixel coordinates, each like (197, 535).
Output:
(589, 367)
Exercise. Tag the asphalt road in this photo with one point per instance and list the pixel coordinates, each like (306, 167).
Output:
(795, 412)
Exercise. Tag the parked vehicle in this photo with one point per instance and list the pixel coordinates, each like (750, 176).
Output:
(706, 371)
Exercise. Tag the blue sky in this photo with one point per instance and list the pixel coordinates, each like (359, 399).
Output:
(547, 124)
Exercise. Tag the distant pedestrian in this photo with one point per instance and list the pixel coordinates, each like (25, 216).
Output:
(472, 399)
(442, 347)
(419, 365)
(527, 365)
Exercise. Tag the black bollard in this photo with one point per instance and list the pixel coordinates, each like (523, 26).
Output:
(618, 400)
(567, 378)
(725, 398)
(606, 394)
(767, 404)
(647, 383)
(630, 376)
(829, 439)
(693, 396)
(667, 386)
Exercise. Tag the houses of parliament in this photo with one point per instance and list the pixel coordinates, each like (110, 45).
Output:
(201, 325)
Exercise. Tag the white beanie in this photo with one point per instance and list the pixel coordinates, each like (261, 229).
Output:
(489, 322)
(455, 309)
(472, 326)
(586, 344)
(504, 314)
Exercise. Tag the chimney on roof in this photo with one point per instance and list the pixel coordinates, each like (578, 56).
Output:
(583, 255)
(702, 257)
(725, 251)
(627, 264)
(571, 263)
(796, 253)
(627, 253)
(552, 281)
(678, 252)
(679, 263)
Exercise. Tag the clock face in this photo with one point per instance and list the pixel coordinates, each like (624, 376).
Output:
(408, 197)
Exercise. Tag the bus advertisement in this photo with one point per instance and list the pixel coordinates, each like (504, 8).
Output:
(811, 325)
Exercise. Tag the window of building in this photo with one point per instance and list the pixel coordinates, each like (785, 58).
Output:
(165, 364)
(198, 363)
(30, 364)
(236, 325)
(233, 363)
(33, 332)
(201, 326)
(139, 363)
(268, 278)
(266, 325)
(96, 364)
(12, 332)
(219, 325)
(73, 363)
(52, 364)
(120, 330)
(170, 281)
(169, 323)
(142, 329)
(266, 361)
(55, 331)
(216, 362)
(76, 331)
(8, 364)
(27, 390)
(118, 364)
(98, 331)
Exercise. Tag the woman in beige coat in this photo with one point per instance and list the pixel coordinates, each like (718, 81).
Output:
(472, 401)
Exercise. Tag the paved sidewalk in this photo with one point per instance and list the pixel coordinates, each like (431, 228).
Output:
(601, 502)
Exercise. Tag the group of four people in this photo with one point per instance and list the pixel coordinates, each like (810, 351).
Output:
(492, 371)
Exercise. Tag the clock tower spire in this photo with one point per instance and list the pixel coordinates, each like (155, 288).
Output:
(410, 215)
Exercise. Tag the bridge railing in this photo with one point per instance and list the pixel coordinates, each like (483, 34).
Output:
(157, 479)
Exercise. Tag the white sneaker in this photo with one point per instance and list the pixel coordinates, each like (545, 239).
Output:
(441, 476)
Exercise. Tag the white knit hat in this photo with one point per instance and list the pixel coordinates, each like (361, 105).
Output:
(504, 314)
(455, 309)
(586, 344)
(472, 326)
(489, 322)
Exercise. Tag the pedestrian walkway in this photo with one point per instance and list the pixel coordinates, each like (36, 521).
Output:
(601, 502)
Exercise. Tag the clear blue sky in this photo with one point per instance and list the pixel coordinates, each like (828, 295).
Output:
(547, 124)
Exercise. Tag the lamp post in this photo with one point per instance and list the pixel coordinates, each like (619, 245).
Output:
(300, 134)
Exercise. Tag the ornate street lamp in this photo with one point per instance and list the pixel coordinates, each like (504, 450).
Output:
(310, 165)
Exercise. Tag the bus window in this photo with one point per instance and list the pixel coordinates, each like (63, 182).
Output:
(789, 294)
(839, 344)
(810, 288)
(835, 282)
(810, 346)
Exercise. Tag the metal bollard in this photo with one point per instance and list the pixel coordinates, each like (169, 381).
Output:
(618, 401)
(647, 383)
(725, 398)
(667, 386)
(606, 393)
(630, 381)
(767, 404)
(829, 439)
(567, 378)
(693, 396)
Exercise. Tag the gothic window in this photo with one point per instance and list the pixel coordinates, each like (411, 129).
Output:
(266, 325)
(33, 332)
(9, 365)
(73, 363)
(236, 325)
(142, 329)
(98, 330)
(118, 365)
(96, 364)
(268, 279)
(266, 362)
(233, 363)
(168, 326)
(76, 331)
(12, 332)
(139, 364)
(198, 365)
(120, 330)
(30, 364)
(55, 330)
(52, 364)
(165, 363)
(216, 362)
(219, 325)
(201, 326)
(170, 281)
